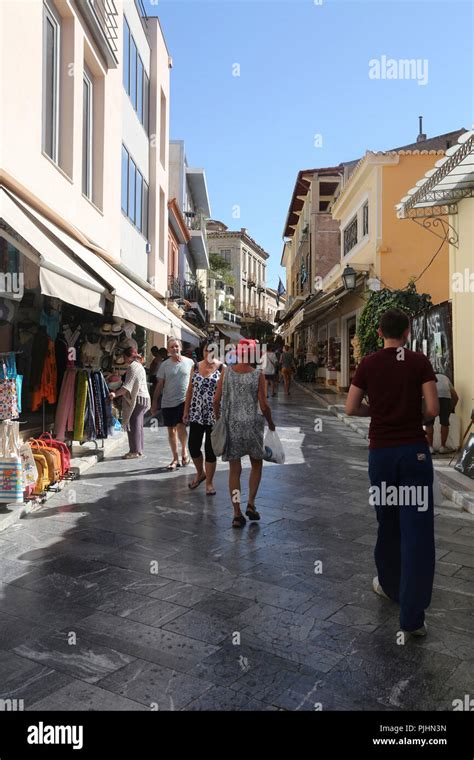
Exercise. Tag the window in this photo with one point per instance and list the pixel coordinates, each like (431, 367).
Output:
(140, 89)
(135, 193)
(163, 128)
(51, 42)
(126, 56)
(125, 159)
(365, 219)
(146, 103)
(87, 140)
(133, 73)
(226, 255)
(145, 210)
(350, 236)
(139, 201)
(132, 175)
(135, 80)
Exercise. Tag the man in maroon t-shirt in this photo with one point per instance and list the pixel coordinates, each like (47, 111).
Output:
(400, 468)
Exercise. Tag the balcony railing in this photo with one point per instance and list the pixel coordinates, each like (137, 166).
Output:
(195, 221)
(186, 291)
(105, 13)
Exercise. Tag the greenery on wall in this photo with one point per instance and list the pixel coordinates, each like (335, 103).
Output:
(219, 269)
(408, 300)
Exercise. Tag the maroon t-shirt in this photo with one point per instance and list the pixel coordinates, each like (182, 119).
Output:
(393, 386)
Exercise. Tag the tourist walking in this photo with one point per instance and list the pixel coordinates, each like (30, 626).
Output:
(136, 401)
(199, 413)
(395, 379)
(241, 389)
(448, 398)
(173, 380)
(288, 366)
(269, 367)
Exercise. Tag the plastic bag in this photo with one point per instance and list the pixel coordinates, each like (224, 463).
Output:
(274, 451)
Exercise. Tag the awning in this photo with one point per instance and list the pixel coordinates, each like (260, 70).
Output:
(60, 275)
(231, 334)
(130, 300)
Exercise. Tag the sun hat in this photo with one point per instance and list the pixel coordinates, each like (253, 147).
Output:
(106, 328)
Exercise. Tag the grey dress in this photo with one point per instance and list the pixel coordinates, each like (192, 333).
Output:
(245, 424)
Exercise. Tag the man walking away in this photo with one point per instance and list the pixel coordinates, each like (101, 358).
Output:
(288, 366)
(395, 379)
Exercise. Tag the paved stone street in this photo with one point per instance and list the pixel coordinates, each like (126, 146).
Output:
(127, 591)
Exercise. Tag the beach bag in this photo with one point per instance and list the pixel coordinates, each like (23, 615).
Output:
(11, 477)
(274, 451)
(30, 471)
(61, 447)
(8, 395)
(219, 430)
(42, 482)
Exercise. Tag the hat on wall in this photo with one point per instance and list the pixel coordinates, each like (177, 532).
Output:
(106, 328)
(129, 328)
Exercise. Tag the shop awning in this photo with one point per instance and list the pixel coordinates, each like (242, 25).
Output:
(60, 275)
(130, 300)
(231, 334)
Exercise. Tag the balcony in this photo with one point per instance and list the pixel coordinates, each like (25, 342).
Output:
(187, 291)
(196, 224)
(101, 17)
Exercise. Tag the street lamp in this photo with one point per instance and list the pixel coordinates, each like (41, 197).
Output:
(349, 276)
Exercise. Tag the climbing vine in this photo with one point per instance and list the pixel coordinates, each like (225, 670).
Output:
(379, 301)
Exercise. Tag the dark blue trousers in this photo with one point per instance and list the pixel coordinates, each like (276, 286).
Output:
(405, 548)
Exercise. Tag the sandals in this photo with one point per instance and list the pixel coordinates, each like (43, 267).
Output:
(131, 455)
(238, 521)
(185, 461)
(195, 484)
(210, 493)
(173, 466)
(252, 513)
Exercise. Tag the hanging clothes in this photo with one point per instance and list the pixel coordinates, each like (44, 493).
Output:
(82, 385)
(90, 430)
(51, 323)
(65, 411)
(47, 389)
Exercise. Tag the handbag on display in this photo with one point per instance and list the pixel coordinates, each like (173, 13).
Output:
(53, 459)
(11, 471)
(219, 430)
(42, 482)
(8, 395)
(61, 447)
(30, 471)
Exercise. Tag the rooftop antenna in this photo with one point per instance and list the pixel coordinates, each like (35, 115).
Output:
(421, 136)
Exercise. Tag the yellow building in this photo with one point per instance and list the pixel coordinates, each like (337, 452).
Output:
(444, 199)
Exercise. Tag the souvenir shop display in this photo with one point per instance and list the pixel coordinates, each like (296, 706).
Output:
(11, 470)
(10, 387)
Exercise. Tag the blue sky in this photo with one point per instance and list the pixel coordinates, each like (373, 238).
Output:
(304, 71)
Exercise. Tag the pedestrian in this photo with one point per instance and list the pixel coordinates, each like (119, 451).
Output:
(448, 398)
(159, 355)
(268, 365)
(244, 394)
(288, 366)
(199, 413)
(173, 379)
(136, 401)
(394, 380)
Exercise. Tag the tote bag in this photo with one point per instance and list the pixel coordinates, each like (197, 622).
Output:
(219, 431)
(11, 471)
(30, 471)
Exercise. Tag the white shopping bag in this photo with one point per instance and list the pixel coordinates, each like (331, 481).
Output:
(274, 451)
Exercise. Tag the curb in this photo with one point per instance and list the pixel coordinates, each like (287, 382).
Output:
(81, 464)
(459, 498)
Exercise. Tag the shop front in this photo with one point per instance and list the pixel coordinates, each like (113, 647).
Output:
(67, 316)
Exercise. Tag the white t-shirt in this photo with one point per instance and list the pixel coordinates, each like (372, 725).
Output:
(176, 376)
(443, 386)
(268, 363)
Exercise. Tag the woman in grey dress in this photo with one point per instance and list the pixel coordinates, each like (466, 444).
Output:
(244, 393)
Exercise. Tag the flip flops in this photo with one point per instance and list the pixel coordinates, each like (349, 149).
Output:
(195, 484)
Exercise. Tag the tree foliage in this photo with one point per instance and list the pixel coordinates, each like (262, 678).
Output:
(219, 269)
(379, 301)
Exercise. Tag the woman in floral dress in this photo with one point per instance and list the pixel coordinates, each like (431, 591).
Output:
(199, 412)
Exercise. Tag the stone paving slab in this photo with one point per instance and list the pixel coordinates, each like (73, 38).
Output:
(171, 609)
